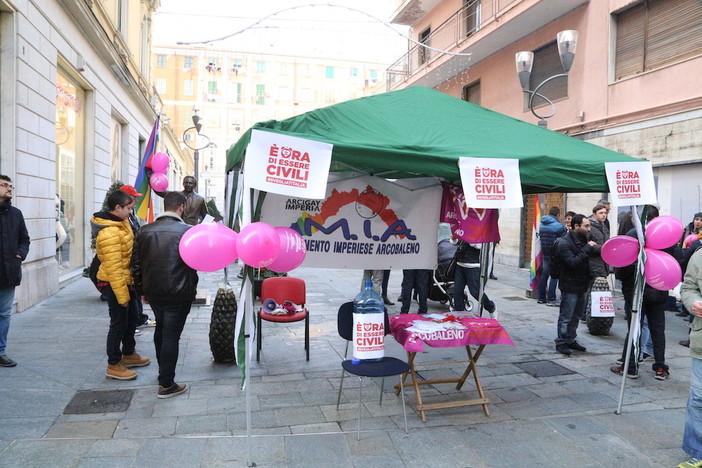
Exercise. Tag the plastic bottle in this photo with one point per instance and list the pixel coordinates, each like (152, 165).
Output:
(368, 325)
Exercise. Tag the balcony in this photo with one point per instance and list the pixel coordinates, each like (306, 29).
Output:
(481, 28)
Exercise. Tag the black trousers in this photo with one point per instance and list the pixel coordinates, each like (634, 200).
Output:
(123, 322)
(170, 320)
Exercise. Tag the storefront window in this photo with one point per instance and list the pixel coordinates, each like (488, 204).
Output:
(70, 216)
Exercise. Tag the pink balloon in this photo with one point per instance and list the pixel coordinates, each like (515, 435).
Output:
(689, 240)
(662, 271)
(158, 181)
(208, 247)
(160, 162)
(292, 250)
(620, 251)
(663, 231)
(258, 245)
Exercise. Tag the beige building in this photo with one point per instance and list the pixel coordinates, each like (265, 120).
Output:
(634, 85)
(77, 110)
(232, 90)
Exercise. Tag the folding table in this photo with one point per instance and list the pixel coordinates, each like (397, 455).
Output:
(414, 331)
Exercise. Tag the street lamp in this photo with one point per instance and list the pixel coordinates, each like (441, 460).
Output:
(567, 40)
(199, 142)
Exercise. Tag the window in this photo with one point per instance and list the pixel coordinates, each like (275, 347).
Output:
(161, 61)
(161, 85)
(188, 63)
(329, 72)
(212, 87)
(236, 66)
(212, 61)
(373, 76)
(471, 13)
(547, 63)
(238, 92)
(260, 93)
(471, 92)
(70, 171)
(188, 89)
(423, 52)
(653, 34)
(260, 67)
(328, 96)
(353, 73)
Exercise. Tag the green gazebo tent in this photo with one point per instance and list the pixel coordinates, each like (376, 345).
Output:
(420, 132)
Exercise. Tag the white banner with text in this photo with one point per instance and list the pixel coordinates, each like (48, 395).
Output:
(363, 223)
(491, 182)
(631, 183)
(287, 165)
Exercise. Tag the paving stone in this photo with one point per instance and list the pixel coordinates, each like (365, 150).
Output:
(82, 430)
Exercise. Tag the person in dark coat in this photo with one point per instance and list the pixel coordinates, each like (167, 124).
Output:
(573, 255)
(599, 233)
(550, 229)
(652, 308)
(168, 284)
(13, 250)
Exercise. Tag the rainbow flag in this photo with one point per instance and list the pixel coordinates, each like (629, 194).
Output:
(536, 255)
(144, 207)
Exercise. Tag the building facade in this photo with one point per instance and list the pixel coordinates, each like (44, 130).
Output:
(232, 90)
(634, 85)
(76, 112)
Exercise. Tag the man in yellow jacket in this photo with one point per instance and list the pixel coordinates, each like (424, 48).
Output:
(114, 244)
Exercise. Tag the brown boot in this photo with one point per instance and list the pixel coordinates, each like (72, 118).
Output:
(119, 372)
(134, 360)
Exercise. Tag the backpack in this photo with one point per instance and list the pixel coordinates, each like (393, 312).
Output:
(555, 259)
(93, 270)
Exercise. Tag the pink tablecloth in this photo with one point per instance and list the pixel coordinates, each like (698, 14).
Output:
(477, 331)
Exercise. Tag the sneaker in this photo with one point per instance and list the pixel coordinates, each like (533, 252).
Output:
(620, 371)
(691, 463)
(6, 361)
(540, 302)
(119, 372)
(137, 332)
(620, 361)
(553, 304)
(148, 323)
(685, 343)
(134, 360)
(645, 357)
(576, 346)
(563, 349)
(661, 374)
(173, 390)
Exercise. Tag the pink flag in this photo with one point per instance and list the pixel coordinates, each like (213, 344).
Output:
(474, 225)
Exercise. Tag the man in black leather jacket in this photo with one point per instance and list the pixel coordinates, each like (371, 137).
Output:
(574, 281)
(168, 284)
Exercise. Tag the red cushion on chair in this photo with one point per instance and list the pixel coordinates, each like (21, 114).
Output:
(296, 317)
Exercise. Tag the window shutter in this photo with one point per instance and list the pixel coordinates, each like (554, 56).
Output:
(674, 31)
(546, 64)
(631, 34)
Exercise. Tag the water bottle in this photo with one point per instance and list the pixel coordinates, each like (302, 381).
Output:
(368, 325)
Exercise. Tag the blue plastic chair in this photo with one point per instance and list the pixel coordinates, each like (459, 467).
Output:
(386, 367)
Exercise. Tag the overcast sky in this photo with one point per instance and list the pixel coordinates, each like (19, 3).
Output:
(310, 29)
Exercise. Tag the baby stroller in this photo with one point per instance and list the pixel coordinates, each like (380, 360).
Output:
(441, 279)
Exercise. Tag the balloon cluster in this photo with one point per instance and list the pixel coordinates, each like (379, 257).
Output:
(661, 270)
(213, 246)
(159, 165)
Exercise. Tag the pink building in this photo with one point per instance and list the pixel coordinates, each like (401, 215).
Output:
(634, 85)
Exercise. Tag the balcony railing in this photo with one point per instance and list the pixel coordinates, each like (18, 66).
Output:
(468, 20)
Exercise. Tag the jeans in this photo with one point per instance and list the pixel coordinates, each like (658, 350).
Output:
(654, 312)
(469, 277)
(123, 322)
(571, 312)
(7, 297)
(692, 437)
(544, 280)
(646, 342)
(419, 281)
(170, 320)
